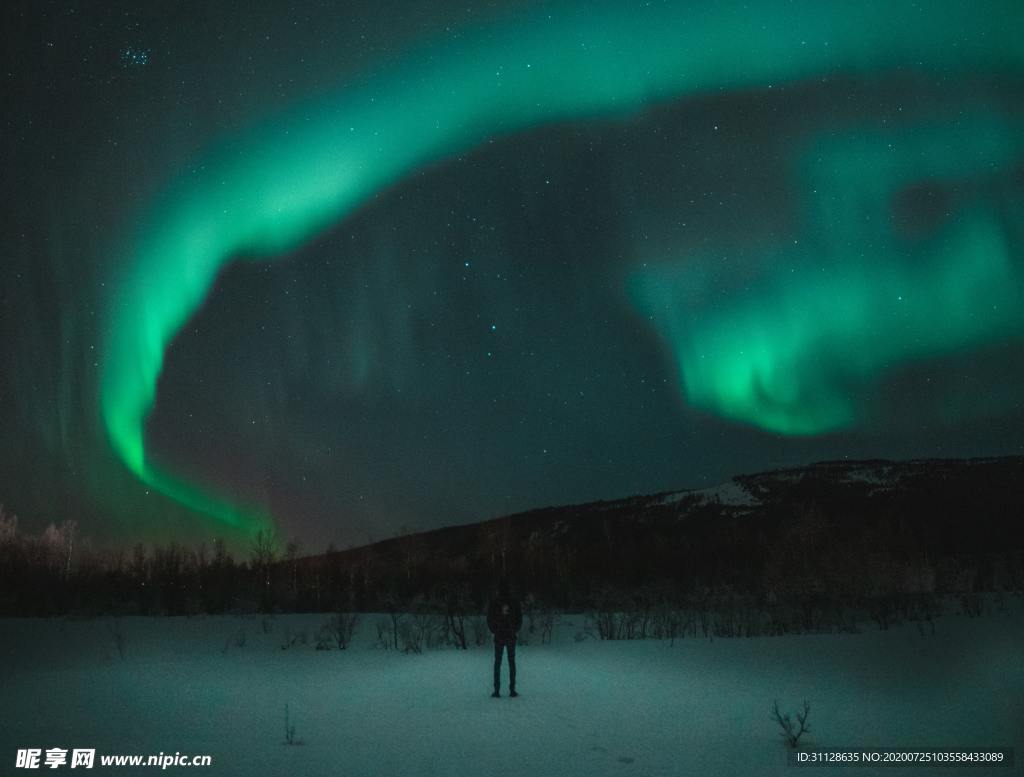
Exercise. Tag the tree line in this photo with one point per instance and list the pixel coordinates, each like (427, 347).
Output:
(635, 573)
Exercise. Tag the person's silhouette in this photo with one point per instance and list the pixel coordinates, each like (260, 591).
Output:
(504, 619)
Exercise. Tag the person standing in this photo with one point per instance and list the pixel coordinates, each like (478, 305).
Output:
(504, 619)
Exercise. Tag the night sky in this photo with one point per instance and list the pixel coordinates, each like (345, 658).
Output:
(359, 268)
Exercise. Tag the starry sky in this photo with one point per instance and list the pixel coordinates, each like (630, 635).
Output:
(358, 269)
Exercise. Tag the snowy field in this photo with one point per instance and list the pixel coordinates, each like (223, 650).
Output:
(587, 708)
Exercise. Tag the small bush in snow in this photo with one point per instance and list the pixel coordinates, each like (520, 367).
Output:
(117, 634)
(669, 623)
(386, 638)
(540, 620)
(420, 630)
(478, 627)
(546, 622)
(455, 626)
(433, 627)
(972, 605)
(337, 632)
(615, 615)
(238, 639)
(323, 638)
(292, 638)
(411, 637)
(289, 729)
(610, 624)
(882, 612)
(791, 732)
(923, 610)
(344, 628)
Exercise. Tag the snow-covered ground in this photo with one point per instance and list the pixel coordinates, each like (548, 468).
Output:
(587, 707)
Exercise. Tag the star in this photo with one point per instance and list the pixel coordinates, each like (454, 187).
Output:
(133, 57)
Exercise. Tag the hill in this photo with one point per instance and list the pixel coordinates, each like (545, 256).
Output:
(837, 528)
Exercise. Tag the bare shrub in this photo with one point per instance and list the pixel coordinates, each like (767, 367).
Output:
(669, 623)
(923, 610)
(420, 630)
(751, 621)
(613, 616)
(791, 732)
(323, 638)
(411, 637)
(435, 632)
(388, 630)
(479, 630)
(238, 639)
(605, 623)
(120, 638)
(546, 623)
(337, 631)
(293, 638)
(540, 619)
(456, 604)
(723, 623)
(529, 605)
(387, 636)
(883, 612)
(972, 605)
(289, 729)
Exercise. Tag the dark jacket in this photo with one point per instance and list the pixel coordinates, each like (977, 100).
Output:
(504, 617)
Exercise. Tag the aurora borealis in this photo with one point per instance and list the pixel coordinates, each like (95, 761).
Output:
(862, 298)
(469, 262)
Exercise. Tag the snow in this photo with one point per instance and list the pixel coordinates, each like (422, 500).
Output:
(875, 476)
(587, 708)
(730, 493)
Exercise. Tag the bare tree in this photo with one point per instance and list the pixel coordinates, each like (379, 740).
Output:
(292, 552)
(265, 548)
(456, 604)
(8, 527)
(59, 544)
(791, 732)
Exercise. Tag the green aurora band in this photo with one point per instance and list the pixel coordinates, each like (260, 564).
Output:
(269, 188)
(855, 297)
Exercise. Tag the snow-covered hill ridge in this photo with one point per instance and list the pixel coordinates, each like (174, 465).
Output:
(730, 493)
(749, 491)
